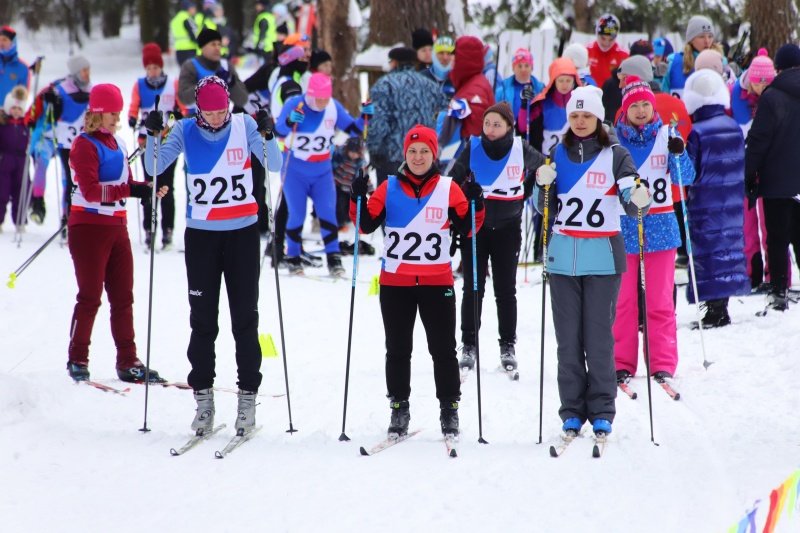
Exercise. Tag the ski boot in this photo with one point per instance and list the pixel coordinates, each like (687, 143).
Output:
(37, 209)
(778, 300)
(166, 239)
(204, 417)
(310, 260)
(148, 238)
(365, 248)
(137, 374)
(601, 426)
(661, 376)
(398, 424)
(448, 417)
(346, 247)
(623, 376)
(64, 229)
(573, 424)
(295, 266)
(78, 371)
(508, 357)
(335, 268)
(467, 357)
(716, 315)
(246, 412)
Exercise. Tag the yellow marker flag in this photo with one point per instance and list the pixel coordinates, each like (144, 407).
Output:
(374, 286)
(12, 278)
(267, 346)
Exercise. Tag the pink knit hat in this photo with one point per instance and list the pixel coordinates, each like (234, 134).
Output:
(211, 94)
(761, 68)
(319, 86)
(105, 98)
(522, 55)
(636, 90)
(709, 59)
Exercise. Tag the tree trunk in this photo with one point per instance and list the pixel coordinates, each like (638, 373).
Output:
(392, 21)
(772, 23)
(234, 13)
(339, 40)
(112, 18)
(583, 16)
(153, 23)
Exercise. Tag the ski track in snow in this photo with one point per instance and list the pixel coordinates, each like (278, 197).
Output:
(727, 442)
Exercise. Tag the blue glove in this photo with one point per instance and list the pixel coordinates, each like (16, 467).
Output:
(296, 117)
(367, 109)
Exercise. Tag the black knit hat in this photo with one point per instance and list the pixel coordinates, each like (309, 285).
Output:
(502, 109)
(402, 54)
(208, 35)
(319, 57)
(788, 56)
(421, 37)
(642, 47)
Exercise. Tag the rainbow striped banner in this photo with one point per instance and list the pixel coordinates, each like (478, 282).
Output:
(782, 497)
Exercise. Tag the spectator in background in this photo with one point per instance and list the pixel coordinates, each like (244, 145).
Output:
(184, 32)
(264, 30)
(638, 64)
(402, 99)
(422, 42)
(13, 71)
(471, 86)
(439, 71)
(519, 89)
(662, 50)
(605, 54)
(580, 56)
(699, 37)
(490, 67)
(284, 18)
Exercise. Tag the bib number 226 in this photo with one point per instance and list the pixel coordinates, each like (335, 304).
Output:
(593, 217)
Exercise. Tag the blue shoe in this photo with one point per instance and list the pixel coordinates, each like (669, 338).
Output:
(601, 425)
(572, 424)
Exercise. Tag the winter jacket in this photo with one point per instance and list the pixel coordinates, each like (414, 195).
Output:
(200, 67)
(403, 98)
(599, 256)
(612, 96)
(510, 90)
(715, 203)
(13, 71)
(660, 229)
(500, 213)
(549, 109)
(14, 135)
(602, 64)
(344, 168)
(743, 106)
(675, 78)
(444, 83)
(415, 187)
(772, 157)
(470, 83)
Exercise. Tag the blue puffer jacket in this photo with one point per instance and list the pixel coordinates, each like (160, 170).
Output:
(716, 205)
(660, 229)
(510, 90)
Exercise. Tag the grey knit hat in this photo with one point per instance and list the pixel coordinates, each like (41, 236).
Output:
(698, 25)
(76, 64)
(638, 66)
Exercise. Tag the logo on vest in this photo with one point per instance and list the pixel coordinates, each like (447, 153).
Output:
(235, 156)
(658, 161)
(434, 215)
(596, 180)
(330, 123)
(513, 172)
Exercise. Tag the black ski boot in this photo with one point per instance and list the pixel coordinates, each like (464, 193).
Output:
(148, 238)
(310, 260)
(661, 376)
(448, 417)
(37, 209)
(398, 424)
(335, 268)
(137, 373)
(508, 357)
(716, 314)
(295, 266)
(778, 300)
(365, 248)
(166, 239)
(467, 357)
(623, 376)
(78, 371)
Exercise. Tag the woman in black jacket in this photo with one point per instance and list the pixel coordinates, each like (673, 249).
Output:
(504, 165)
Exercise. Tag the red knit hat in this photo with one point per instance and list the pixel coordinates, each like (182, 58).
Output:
(151, 55)
(636, 90)
(105, 98)
(421, 134)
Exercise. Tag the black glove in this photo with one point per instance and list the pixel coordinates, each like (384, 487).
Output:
(51, 96)
(132, 122)
(360, 185)
(472, 191)
(176, 114)
(527, 92)
(455, 242)
(265, 123)
(751, 190)
(675, 145)
(154, 123)
(141, 190)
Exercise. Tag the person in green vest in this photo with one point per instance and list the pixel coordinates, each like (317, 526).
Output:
(264, 30)
(184, 32)
(213, 17)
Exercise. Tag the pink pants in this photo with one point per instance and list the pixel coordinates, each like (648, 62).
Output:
(755, 239)
(661, 327)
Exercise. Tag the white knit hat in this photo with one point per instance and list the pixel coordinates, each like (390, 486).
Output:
(578, 54)
(705, 87)
(588, 99)
(17, 97)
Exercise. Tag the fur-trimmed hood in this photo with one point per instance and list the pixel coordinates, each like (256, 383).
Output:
(705, 87)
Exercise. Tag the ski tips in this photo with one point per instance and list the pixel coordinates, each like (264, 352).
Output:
(363, 451)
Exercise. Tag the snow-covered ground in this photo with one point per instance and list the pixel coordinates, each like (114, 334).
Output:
(72, 457)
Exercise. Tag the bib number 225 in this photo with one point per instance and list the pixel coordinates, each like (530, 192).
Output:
(217, 189)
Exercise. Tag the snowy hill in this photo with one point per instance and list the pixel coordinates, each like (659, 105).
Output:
(72, 458)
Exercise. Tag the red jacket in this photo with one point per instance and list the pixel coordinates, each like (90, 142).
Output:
(470, 83)
(602, 63)
(84, 161)
(458, 214)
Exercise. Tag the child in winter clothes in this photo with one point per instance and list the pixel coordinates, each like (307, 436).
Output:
(715, 201)
(651, 143)
(99, 243)
(587, 256)
(313, 119)
(548, 113)
(699, 37)
(520, 88)
(14, 136)
(504, 165)
(580, 56)
(418, 206)
(744, 100)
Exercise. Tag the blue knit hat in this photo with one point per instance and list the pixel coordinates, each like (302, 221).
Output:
(788, 56)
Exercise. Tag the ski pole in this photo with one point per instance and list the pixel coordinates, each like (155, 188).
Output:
(476, 317)
(545, 222)
(12, 278)
(343, 436)
(51, 119)
(645, 337)
(153, 199)
(706, 362)
(526, 214)
(271, 217)
(138, 200)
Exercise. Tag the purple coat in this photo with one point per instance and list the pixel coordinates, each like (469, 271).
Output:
(14, 135)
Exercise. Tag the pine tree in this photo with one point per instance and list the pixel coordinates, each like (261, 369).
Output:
(772, 23)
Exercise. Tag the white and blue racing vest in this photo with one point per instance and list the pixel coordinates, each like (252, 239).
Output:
(113, 170)
(70, 123)
(147, 98)
(555, 123)
(501, 179)
(652, 165)
(313, 140)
